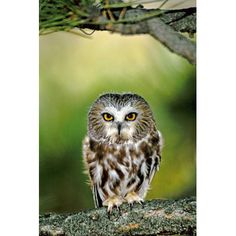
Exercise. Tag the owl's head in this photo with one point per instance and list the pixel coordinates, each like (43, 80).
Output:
(119, 118)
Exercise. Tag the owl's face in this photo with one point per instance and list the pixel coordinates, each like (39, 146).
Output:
(119, 118)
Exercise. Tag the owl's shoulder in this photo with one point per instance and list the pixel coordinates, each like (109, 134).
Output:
(152, 139)
(92, 145)
(86, 143)
(151, 145)
(93, 149)
(156, 138)
(88, 148)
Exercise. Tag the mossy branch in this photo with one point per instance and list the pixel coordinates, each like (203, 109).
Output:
(163, 25)
(156, 217)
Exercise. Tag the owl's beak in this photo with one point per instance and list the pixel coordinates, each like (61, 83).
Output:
(119, 124)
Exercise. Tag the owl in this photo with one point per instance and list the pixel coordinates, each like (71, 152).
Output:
(122, 149)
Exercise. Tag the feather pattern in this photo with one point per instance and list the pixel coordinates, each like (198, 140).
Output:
(96, 197)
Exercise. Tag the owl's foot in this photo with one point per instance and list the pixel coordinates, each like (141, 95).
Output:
(112, 202)
(133, 197)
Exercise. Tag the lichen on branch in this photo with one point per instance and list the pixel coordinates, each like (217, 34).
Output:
(155, 217)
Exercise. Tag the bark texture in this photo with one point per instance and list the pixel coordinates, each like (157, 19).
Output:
(155, 217)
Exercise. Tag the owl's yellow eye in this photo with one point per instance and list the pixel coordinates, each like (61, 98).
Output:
(131, 116)
(107, 117)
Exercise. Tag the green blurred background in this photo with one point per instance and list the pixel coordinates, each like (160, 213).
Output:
(73, 72)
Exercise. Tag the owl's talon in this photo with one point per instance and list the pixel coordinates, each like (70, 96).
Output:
(133, 197)
(112, 202)
(119, 210)
(109, 215)
(141, 202)
(131, 206)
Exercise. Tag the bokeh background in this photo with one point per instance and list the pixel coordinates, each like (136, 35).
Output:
(73, 72)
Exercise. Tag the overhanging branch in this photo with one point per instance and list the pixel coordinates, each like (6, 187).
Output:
(163, 25)
(156, 217)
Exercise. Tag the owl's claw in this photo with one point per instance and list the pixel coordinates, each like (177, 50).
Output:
(119, 210)
(131, 206)
(142, 204)
(112, 202)
(133, 197)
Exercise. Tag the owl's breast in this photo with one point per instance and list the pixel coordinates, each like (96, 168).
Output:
(119, 168)
(121, 165)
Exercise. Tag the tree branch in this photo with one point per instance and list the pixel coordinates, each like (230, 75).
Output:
(176, 42)
(163, 25)
(156, 217)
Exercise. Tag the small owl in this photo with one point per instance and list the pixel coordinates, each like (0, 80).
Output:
(122, 150)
